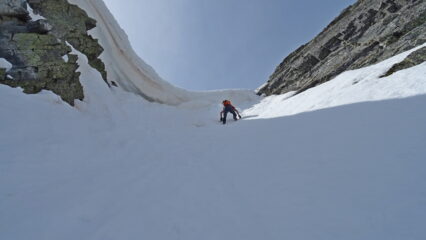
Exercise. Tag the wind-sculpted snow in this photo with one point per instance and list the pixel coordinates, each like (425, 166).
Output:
(131, 73)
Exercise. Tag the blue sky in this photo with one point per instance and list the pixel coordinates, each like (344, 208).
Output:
(217, 44)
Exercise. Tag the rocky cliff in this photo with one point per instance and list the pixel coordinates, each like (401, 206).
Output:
(365, 33)
(38, 47)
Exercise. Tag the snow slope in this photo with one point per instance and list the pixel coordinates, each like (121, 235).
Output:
(120, 167)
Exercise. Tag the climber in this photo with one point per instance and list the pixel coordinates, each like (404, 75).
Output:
(227, 107)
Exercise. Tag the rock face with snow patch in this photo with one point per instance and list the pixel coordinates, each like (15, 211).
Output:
(365, 33)
(413, 59)
(38, 50)
(71, 23)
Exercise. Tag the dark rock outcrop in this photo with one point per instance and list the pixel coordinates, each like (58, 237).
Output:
(39, 26)
(71, 23)
(2, 73)
(365, 33)
(35, 54)
(14, 8)
(37, 49)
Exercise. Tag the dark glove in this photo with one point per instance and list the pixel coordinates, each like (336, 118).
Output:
(239, 116)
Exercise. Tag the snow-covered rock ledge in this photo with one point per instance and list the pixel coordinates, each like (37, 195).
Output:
(365, 84)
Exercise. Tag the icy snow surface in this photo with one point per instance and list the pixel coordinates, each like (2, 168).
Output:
(65, 58)
(34, 17)
(119, 167)
(5, 64)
